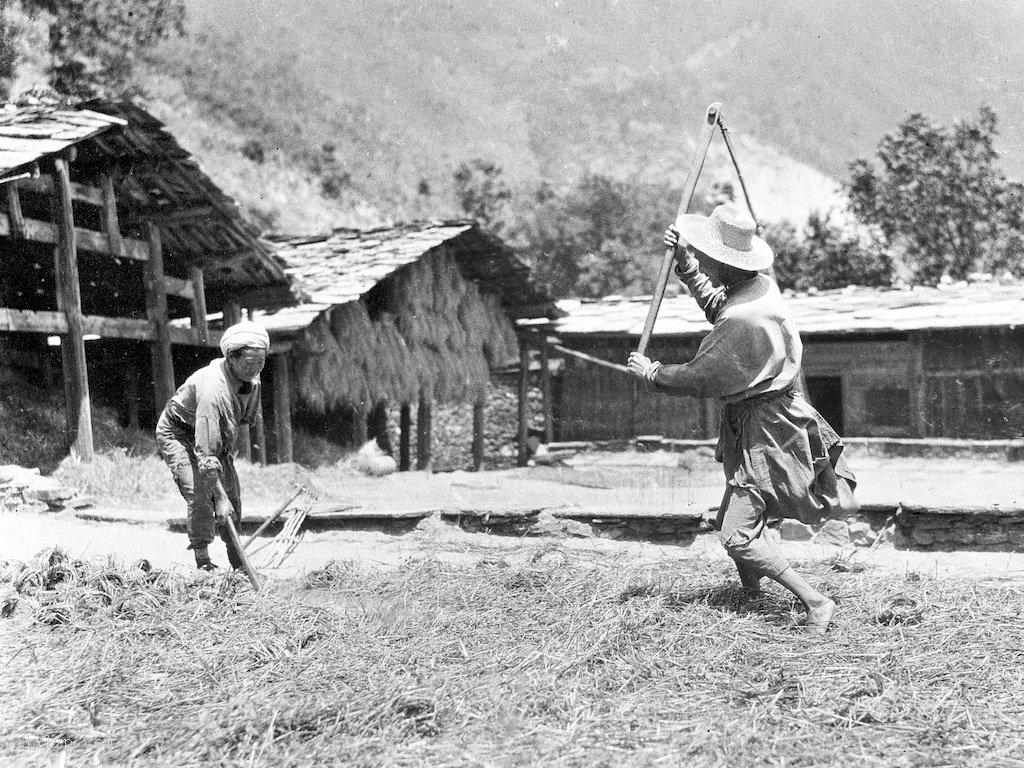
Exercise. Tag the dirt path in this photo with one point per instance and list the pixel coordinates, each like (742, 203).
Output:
(613, 481)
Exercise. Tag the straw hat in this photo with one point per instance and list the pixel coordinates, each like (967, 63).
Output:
(727, 235)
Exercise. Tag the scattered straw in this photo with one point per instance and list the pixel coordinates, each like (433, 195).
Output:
(551, 660)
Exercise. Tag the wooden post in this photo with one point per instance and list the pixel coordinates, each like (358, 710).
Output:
(524, 405)
(199, 305)
(282, 409)
(156, 308)
(478, 432)
(545, 389)
(232, 313)
(111, 225)
(14, 214)
(424, 414)
(67, 367)
(80, 415)
(918, 388)
(404, 438)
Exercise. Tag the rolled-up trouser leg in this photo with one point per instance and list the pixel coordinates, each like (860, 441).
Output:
(742, 529)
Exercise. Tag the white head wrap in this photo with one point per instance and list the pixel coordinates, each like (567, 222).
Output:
(244, 334)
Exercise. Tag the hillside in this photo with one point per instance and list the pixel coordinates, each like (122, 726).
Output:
(387, 98)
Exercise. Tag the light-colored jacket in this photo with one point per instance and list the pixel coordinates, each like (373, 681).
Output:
(209, 407)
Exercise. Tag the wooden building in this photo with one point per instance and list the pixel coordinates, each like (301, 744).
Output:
(945, 362)
(400, 316)
(109, 231)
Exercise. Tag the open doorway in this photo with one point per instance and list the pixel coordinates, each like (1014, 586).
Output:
(826, 394)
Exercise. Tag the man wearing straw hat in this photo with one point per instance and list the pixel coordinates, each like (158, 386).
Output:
(196, 435)
(781, 458)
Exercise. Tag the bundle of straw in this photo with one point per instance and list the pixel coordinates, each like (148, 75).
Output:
(437, 332)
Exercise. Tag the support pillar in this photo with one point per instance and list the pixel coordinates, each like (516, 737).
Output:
(478, 432)
(282, 409)
(404, 438)
(156, 308)
(522, 454)
(79, 424)
(424, 436)
(545, 389)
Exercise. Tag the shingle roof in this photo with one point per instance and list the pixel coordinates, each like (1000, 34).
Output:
(344, 265)
(30, 133)
(846, 311)
(156, 180)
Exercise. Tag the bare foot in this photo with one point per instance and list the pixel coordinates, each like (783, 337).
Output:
(820, 617)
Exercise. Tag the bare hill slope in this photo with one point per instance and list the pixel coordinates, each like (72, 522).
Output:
(390, 96)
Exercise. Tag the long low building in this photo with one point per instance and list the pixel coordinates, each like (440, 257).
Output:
(922, 362)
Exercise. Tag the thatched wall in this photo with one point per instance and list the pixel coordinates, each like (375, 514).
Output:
(426, 328)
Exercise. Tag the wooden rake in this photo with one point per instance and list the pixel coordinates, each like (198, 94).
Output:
(285, 542)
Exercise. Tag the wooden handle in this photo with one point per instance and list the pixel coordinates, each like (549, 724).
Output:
(237, 543)
(266, 523)
(700, 152)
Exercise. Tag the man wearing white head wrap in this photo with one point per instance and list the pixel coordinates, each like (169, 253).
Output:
(196, 435)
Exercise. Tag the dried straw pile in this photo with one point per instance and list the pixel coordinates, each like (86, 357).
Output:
(547, 660)
(437, 332)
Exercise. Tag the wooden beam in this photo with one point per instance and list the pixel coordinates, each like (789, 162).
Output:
(424, 432)
(135, 329)
(79, 422)
(478, 432)
(85, 239)
(175, 286)
(156, 309)
(405, 438)
(524, 406)
(199, 304)
(165, 217)
(15, 217)
(111, 225)
(282, 408)
(43, 185)
(265, 298)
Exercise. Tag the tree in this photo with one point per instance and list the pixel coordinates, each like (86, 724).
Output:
(825, 256)
(8, 50)
(482, 192)
(94, 46)
(597, 237)
(938, 200)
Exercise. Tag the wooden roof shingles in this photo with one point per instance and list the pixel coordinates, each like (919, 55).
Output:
(826, 313)
(30, 133)
(342, 266)
(201, 225)
(156, 180)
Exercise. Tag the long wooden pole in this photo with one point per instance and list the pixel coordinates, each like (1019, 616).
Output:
(707, 131)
